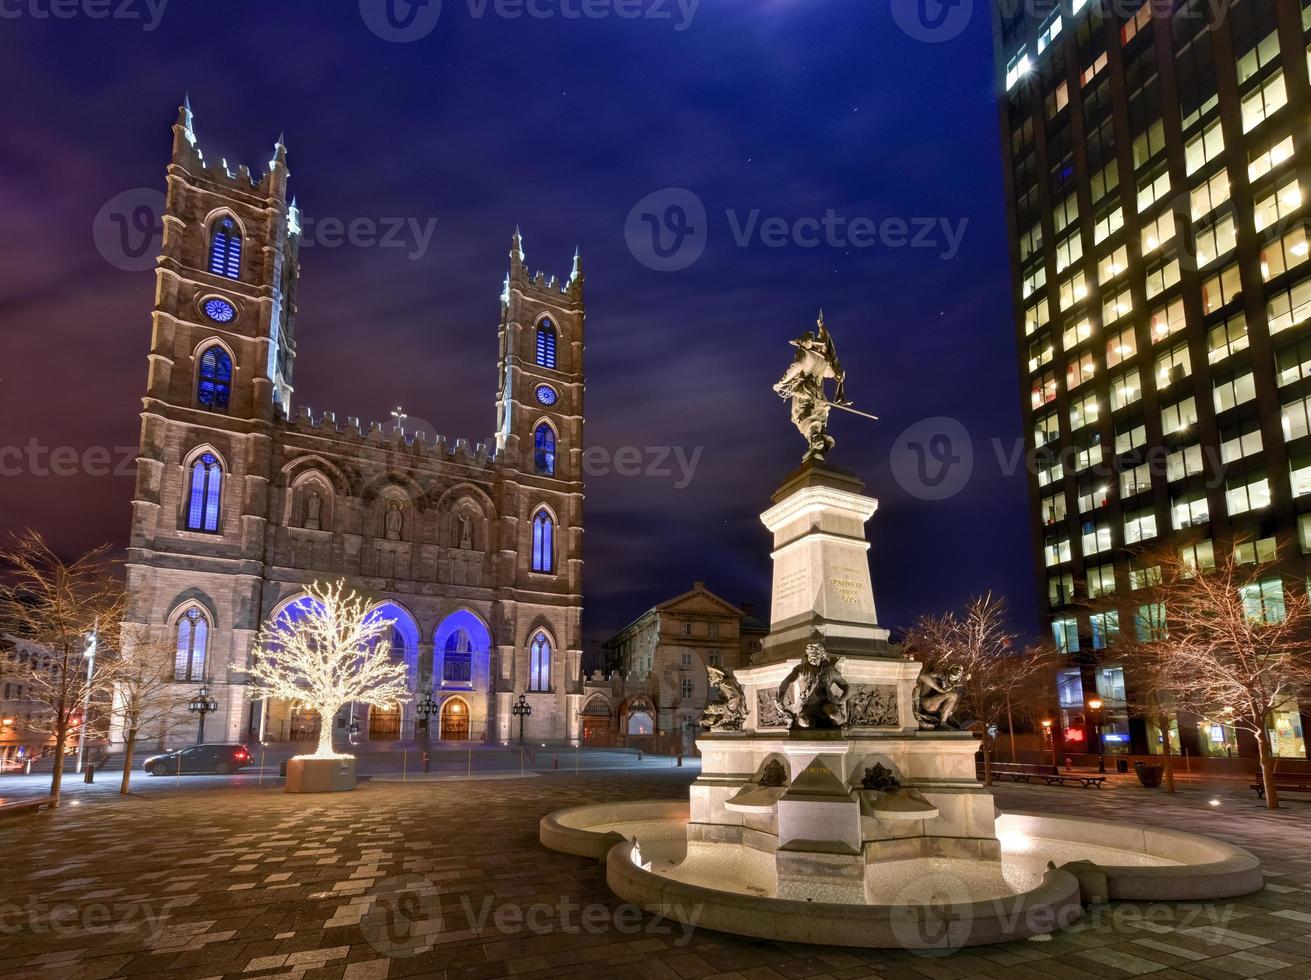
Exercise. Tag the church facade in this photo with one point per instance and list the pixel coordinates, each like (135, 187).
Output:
(243, 500)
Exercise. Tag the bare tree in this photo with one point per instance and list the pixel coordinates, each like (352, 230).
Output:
(327, 651)
(52, 612)
(1237, 649)
(995, 674)
(146, 697)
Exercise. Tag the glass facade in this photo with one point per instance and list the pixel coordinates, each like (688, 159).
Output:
(1158, 162)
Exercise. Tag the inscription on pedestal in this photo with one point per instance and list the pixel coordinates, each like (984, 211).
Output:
(847, 584)
(791, 586)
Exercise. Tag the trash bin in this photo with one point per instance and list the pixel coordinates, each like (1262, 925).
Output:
(1149, 776)
(1121, 765)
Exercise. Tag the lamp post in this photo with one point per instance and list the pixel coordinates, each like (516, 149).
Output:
(1095, 710)
(521, 710)
(202, 704)
(425, 709)
(90, 655)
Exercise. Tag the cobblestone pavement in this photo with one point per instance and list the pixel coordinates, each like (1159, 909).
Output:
(447, 879)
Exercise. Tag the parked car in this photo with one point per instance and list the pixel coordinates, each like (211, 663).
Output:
(215, 757)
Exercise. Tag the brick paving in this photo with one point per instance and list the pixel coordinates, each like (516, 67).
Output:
(447, 879)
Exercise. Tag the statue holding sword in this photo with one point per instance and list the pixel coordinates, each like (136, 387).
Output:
(816, 361)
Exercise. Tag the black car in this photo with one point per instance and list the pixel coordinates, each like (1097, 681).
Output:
(215, 757)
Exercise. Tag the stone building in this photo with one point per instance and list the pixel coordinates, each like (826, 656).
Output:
(661, 658)
(241, 501)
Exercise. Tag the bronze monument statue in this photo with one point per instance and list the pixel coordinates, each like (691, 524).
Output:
(819, 697)
(937, 693)
(730, 714)
(816, 361)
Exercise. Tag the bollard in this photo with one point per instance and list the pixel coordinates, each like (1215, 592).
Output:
(427, 762)
(1069, 763)
(680, 760)
(555, 762)
(639, 755)
(90, 776)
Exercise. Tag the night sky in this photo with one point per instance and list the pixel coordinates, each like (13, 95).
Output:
(762, 109)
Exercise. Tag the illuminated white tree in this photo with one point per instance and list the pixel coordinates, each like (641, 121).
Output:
(326, 651)
(1238, 646)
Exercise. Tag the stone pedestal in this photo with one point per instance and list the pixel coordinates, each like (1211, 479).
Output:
(306, 774)
(821, 567)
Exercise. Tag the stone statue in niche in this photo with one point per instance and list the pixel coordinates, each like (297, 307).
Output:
(313, 510)
(466, 531)
(728, 714)
(936, 695)
(814, 693)
(394, 521)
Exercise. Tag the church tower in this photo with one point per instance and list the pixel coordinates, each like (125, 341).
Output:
(539, 443)
(219, 381)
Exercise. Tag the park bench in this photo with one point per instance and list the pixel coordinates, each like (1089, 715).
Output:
(13, 808)
(1023, 772)
(1294, 784)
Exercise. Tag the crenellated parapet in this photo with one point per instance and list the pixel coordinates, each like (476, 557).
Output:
(361, 435)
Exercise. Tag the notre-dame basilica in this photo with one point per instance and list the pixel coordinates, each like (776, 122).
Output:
(242, 499)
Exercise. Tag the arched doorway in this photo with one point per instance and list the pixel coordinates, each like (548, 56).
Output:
(455, 720)
(598, 722)
(385, 723)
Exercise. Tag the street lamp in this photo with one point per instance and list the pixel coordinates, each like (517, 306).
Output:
(1095, 709)
(202, 704)
(521, 710)
(92, 641)
(425, 709)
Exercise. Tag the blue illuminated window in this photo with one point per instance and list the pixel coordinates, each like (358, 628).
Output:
(546, 344)
(546, 395)
(539, 667)
(457, 659)
(220, 310)
(543, 542)
(214, 388)
(544, 450)
(205, 495)
(225, 249)
(193, 643)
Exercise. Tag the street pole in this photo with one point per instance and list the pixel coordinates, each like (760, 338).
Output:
(90, 655)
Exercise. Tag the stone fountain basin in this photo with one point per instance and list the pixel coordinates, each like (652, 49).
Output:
(929, 902)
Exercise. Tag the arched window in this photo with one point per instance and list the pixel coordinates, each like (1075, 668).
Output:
(214, 390)
(543, 542)
(539, 667)
(544, 450)
(206, 494)
(546, 344)
(225, 249)
(457, 659)
(193, 643)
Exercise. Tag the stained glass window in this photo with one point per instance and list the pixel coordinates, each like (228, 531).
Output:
(544, 450)
(214, 388)
(457, 659)
(543, 542)
(539, 676)
(206, 494)
(193, 642)
(546, 395)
